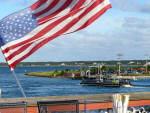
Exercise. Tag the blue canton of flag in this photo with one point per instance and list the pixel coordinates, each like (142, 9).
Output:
(16, 26)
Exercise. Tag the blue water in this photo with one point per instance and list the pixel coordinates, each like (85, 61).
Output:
(39, 86)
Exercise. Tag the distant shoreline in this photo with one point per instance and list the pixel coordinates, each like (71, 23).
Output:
(53, 74)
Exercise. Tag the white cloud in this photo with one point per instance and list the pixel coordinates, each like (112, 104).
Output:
(133, 5)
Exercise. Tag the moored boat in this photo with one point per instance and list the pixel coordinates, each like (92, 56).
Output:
(105, 82)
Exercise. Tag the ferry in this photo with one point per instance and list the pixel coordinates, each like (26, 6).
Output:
(105, 82)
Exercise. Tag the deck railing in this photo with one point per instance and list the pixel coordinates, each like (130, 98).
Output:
(16, 107)
(86, 104)
(90, 106)
(67, 106)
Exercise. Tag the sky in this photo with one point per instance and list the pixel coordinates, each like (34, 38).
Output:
(122, 29)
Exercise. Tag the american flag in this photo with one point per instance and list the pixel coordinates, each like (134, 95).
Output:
(25, 31)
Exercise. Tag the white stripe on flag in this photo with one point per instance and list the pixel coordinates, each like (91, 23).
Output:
(65, 11)
(24, 52)
(44, 6)
(88, 16)
(57, 6)
(12, 51)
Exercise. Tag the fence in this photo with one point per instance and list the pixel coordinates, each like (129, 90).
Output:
(68, 106)
(139, 103)
(97, 106)
(19, 107)
(90, 106)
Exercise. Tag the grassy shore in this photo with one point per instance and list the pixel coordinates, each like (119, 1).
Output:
(54, 74)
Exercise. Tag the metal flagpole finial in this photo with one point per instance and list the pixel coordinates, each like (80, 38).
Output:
(18, 83)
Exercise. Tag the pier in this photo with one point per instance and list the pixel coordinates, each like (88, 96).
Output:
(93, 102)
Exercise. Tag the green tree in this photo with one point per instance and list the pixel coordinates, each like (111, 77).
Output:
(94, 70)
(67, 70)
(62, 72)
(104, 68)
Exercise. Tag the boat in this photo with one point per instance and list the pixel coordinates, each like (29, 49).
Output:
(105, 81)
(98, 79)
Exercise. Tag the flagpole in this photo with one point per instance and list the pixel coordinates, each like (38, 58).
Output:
(18, 83)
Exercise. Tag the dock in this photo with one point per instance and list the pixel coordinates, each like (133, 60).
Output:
(97, 101)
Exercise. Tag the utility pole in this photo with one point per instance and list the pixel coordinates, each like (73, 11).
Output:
(146, 58)
(119, 63)
(100, 68)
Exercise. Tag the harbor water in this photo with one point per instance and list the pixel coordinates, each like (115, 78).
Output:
(41, 86)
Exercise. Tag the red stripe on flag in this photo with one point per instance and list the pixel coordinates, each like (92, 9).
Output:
(37, 4)
(74, 21)
(66, 4)
(92, 19)
(52, 5)
(20, 50)
(78, 5)
(13, 65)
